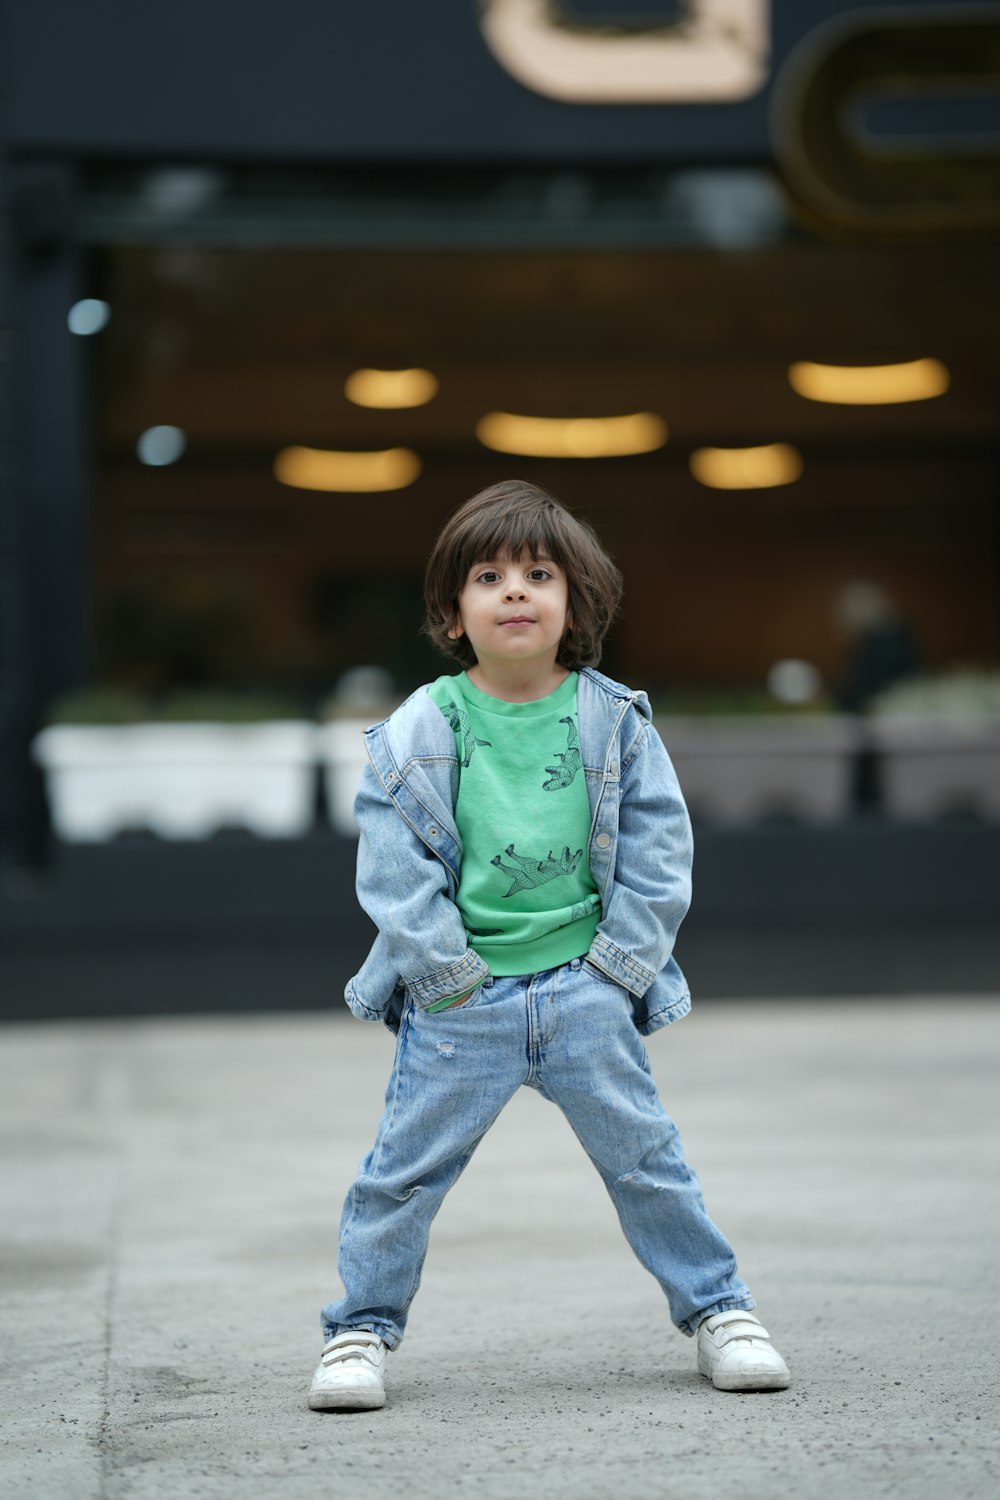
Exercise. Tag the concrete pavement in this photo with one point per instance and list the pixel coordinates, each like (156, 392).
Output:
(170, 1197)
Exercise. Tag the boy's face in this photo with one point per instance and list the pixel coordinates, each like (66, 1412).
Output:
(513, 610)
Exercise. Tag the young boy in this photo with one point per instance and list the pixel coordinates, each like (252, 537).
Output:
(525, 853)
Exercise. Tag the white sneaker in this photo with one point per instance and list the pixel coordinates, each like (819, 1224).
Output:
(349, 1376)
(736, 1354)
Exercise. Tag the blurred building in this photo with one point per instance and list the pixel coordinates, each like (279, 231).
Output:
(281, 285)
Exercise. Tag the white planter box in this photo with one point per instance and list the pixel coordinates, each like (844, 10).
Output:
(182, 781)
(341, 749)
(739, 768)
(932, 767)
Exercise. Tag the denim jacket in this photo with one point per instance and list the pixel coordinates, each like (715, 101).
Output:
(410, 858)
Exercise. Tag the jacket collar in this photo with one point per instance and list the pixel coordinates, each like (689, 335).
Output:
(617, 690)
(418, 728)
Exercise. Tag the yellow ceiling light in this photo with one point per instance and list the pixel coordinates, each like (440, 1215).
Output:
(349, 473)
(746, 468)
(572, 437)
(390, 389)
(869, 385)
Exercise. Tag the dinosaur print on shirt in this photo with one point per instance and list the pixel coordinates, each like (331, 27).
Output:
(581, 909)
(569, 760)
(528, 871)
(462, 724)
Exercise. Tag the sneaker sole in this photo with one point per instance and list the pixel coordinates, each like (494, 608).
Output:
(347, 1401)
(767, 1380)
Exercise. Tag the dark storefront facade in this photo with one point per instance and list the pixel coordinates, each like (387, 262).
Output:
(570, 210)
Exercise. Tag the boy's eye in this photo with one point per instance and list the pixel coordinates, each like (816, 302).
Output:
(491, 575)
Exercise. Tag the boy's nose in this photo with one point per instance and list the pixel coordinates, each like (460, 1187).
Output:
(516, 591)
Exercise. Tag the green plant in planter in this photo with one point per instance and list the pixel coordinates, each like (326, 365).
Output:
(102, 704)
(964, 693)
(108, 705)
(214, 705)
(698, 702)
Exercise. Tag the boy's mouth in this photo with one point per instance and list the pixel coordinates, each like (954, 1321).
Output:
(518, 620)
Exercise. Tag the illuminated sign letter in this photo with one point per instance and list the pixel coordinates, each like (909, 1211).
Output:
(719, 53)
(921, 67)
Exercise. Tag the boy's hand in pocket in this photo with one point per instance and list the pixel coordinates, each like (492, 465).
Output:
(458, 1000)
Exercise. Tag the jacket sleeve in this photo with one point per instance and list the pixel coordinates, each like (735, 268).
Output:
(407, 891)
(650, 888)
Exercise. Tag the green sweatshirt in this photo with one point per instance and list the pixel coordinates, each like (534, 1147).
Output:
(526, 894)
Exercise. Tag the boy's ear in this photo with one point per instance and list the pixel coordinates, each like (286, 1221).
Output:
(455, 629)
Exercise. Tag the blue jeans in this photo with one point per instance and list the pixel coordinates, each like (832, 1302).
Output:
(568, 1033)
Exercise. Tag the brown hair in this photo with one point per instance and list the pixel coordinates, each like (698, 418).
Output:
(507, 520)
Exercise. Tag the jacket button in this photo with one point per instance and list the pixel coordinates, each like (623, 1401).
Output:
(614, 768)
(433, 833)
(603, 840)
